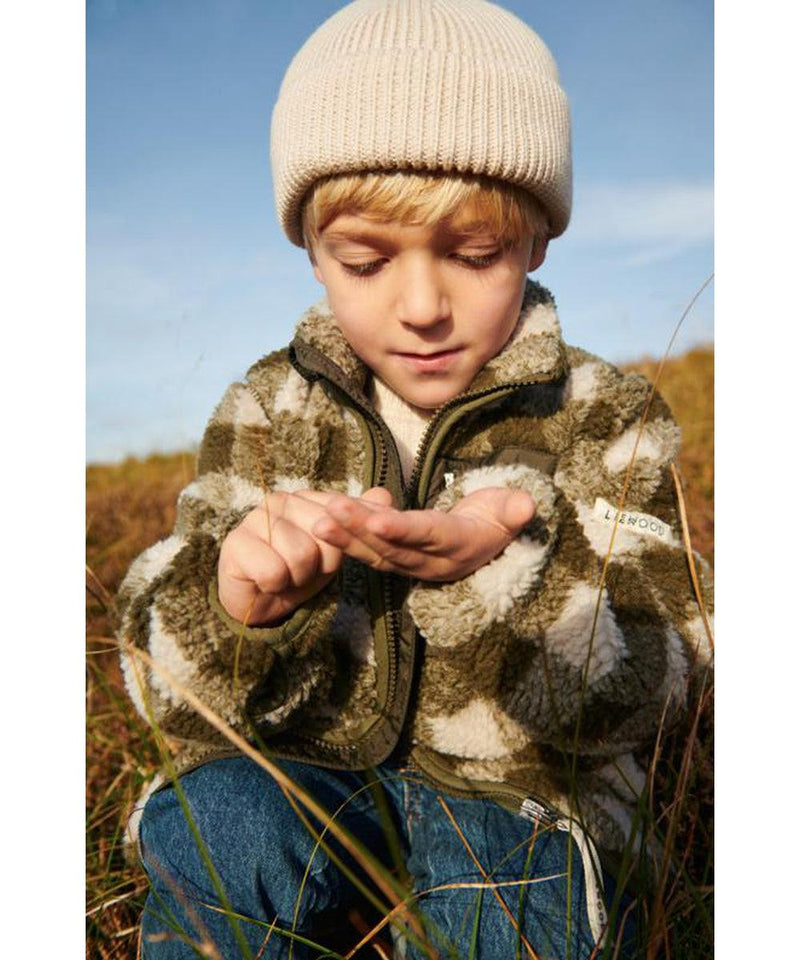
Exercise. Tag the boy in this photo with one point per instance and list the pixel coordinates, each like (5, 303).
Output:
(394, 556)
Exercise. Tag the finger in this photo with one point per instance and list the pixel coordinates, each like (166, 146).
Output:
(376, 498)
(378, 495)
(353, 540)
(357, 518)
(318, 497)
(339, 535)
(299, 521)
(252, 559)
(428, 530)
(299, 551)
(259, 521)
(403, 536)
(386, 555)
(304, 509)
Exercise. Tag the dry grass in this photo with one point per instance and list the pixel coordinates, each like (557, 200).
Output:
(687, 385)
(131, 505)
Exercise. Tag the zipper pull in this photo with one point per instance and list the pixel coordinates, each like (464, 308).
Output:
(535, 812)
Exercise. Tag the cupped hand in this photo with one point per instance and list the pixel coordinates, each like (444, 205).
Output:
(427, 544)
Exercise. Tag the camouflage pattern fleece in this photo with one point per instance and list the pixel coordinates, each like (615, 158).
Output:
(488, 684)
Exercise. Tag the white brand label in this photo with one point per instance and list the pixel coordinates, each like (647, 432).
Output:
(643, 523)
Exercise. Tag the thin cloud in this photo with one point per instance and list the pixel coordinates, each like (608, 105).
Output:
(659, 219)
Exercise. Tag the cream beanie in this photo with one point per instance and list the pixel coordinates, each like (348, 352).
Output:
(451, 85)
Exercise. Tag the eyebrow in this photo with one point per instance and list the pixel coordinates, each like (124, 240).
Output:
(467, 231)
(355, 235)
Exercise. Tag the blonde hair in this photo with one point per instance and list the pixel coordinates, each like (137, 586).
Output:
(425, 198)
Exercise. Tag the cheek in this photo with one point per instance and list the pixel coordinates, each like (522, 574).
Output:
(347, 309)
(359, 331)
(499, 313)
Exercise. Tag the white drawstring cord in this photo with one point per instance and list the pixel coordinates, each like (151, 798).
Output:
(595, 903)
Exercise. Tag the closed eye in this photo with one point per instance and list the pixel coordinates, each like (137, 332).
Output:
(363, 269)
(472, 262)
(477, 262)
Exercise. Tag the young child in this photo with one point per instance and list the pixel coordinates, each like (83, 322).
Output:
(393, 562)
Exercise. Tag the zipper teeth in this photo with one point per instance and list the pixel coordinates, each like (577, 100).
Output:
(495, 791)
(453, 404)
(392, 629)
(432, 424)
(383, 472)
(392, 633)
(389, 613)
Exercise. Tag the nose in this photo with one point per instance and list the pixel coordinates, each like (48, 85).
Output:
(422, 299)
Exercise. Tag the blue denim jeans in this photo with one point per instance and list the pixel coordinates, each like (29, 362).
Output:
(261, 852)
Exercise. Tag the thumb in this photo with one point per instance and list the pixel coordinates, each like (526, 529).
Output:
(517, 509)
(506, 509)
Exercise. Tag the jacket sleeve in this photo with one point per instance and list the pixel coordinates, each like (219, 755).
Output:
(254, 678)
(576, 632)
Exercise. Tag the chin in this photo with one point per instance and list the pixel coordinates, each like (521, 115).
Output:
(431, 400)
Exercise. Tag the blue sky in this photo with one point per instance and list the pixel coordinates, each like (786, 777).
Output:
(189, 278)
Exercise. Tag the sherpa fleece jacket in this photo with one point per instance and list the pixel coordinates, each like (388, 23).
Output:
(489, 683)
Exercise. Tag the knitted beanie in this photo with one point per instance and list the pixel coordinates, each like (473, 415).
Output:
(445, 85)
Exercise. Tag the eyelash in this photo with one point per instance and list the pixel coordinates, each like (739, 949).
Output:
(479, 262)
(363, 270)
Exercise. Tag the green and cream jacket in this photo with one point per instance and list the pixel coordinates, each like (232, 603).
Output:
(498, 684)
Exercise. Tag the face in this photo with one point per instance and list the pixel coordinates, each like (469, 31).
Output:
(424, 308)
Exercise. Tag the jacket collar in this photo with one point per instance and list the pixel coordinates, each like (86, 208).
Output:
(535, 350)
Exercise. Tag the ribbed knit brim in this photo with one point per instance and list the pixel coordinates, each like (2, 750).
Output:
(451, 85)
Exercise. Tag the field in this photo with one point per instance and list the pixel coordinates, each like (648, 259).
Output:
(130, 505)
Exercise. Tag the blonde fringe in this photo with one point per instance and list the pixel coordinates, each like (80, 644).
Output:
(466, 203)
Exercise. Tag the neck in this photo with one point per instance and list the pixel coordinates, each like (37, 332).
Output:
(406, 422)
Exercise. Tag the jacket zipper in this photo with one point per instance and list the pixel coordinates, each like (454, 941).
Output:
(386, 584)
(525, 804)
(383, 442)
(530, 807)
(452, 411)
(414, 494)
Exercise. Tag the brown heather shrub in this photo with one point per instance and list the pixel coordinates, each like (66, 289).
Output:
(687, 385)
(128, 507)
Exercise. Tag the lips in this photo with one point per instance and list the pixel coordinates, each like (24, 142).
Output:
(419, 355)
(430, 362)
